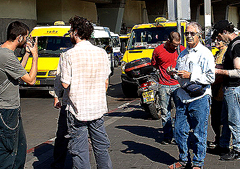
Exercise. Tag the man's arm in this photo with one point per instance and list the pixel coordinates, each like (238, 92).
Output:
(31, 77)
(65, 85)
(235, 73)
(25, 59)
(106, 84)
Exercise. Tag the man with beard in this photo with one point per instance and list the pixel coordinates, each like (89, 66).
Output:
(13, 142)
(85, 70)
(195, 72)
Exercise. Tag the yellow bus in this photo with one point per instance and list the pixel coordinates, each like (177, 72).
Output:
(143, 40)
(52, 41)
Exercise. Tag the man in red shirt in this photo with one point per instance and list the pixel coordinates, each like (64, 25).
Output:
(165, 55)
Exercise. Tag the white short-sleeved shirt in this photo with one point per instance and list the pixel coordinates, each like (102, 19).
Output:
(85, 68)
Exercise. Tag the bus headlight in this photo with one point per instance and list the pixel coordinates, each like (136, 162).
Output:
(123, 64)
(52, 73)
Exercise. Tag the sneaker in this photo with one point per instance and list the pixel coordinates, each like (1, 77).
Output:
(218, 150)
(168, 141)
(232, 155)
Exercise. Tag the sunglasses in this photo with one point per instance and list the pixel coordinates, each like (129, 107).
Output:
(190, 33)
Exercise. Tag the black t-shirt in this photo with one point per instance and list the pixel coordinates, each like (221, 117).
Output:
(232, 52)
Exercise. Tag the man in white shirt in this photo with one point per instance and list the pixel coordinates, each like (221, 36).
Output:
(85, 70)
(195, 71)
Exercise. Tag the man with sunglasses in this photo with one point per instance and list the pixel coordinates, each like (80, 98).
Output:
(13, 142)
(225, 31)
(165, 55)
(195, 69)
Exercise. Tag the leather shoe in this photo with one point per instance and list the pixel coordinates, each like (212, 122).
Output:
(218, 150)
(232, 155)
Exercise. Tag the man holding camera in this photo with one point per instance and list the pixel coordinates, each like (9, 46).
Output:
(195, 72)
(13, 142)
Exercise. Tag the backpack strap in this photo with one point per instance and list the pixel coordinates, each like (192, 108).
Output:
(234, 44)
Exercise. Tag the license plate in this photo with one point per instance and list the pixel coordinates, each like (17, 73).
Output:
(148, 96)
(37, 82)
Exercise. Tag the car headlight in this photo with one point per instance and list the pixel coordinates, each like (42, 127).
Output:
(123, 64)
(52, 73)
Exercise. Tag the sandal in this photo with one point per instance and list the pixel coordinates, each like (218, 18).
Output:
(177, 165)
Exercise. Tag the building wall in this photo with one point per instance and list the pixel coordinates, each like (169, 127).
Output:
(12, 10)
(48, 11)
(233, 15)
(134, 13)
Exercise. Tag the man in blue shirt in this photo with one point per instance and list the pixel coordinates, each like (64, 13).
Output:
(194, 70)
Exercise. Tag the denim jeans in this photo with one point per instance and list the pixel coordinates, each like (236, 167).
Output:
(165, 96)
(13, 145)
(192, 116)
(79, 146)
(231, 116)
(61, 143)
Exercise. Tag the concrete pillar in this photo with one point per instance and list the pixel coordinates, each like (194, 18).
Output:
(12, 10)
(156, 9)
(135, 12)
(111, 15)
(49, 11)
(219, 10)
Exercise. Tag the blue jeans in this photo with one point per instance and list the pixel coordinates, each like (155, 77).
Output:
(192, 116)
(231, 118)
(165, 94)
(61, 143)
(79, 146)
(13, 145)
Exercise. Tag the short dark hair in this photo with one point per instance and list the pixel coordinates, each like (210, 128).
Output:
(15, 29)
(83, 26)
(174, 36)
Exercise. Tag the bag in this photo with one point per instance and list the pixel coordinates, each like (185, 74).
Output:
(139, 67)
(194, 89)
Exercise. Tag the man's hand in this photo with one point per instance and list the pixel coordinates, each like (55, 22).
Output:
(184, 74)
(57, 103)
(32, 47)
(171, 71)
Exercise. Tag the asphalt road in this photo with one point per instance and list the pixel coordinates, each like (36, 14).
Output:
(40, 118)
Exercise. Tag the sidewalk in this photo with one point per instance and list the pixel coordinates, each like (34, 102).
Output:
(135, 143)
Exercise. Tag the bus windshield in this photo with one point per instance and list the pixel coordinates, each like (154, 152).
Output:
(149, 38)
(53, 45)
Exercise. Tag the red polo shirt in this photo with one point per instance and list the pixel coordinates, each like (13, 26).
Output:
(162, 59)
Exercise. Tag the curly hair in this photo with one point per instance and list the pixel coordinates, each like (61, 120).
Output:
(82, 25)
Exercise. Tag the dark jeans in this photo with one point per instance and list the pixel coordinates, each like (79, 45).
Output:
(61, 143)
(216, 109)
(13, 145)
(79, 145)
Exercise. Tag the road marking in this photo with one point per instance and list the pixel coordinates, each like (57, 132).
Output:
(124, 105)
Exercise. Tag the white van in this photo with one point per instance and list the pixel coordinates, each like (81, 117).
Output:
(101, 37)
(116, 48)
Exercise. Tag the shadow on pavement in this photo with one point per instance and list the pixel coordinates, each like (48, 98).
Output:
(144, 131)
(35, 94)
(150, 152)
(44, 157)
(133, 111)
